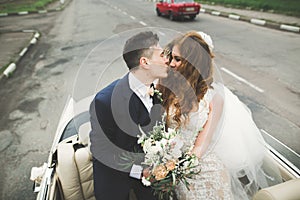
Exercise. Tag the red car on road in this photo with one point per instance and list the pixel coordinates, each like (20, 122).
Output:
(178, 8)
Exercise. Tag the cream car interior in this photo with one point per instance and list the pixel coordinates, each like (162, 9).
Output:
(74, 167)
(74, 173)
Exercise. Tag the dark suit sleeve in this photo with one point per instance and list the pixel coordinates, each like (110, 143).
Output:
(105, 119)
(109, 144)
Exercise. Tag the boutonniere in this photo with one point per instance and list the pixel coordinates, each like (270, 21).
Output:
(158, 95)
(155, 92)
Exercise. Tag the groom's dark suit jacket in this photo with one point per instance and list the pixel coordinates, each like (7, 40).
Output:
(116, 112)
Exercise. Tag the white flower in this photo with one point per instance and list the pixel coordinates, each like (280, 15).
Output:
(207, 39)
(154, 149)
(165, 155)
(150, 148)
(177, 144)
(147, 146)
(171, 132)
(176, 153)
(151, 159)
(145, 181)
(195, 161)
(141, 138)
(186, 165)
(162, 143)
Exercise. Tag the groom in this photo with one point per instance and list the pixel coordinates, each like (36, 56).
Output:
(117, 112)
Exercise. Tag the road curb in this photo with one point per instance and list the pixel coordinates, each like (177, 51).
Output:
(259, 22)
(13, 65)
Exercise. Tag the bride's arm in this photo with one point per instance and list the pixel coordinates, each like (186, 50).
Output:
(204, 136)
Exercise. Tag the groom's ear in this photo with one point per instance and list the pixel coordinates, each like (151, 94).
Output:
(144, 63)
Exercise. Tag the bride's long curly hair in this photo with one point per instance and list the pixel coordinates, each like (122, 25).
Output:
(184, 87)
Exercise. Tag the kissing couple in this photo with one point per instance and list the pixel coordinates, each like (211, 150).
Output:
(177, 85)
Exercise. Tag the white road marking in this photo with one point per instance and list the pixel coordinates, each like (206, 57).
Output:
(242, 80)
(143, 23)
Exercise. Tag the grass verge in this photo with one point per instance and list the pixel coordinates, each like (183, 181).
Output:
(23, 5)
(288, 7)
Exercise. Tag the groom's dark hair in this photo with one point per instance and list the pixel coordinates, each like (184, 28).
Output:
(138, 46)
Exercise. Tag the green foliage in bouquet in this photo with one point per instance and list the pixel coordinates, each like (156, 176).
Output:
(185, 169)
(168, 164)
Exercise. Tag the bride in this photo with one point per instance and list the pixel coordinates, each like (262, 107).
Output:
(215, 123)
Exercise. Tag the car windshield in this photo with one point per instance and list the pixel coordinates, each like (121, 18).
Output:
(182, 1)
(74, 124)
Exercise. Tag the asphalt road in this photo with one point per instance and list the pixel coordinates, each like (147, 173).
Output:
(33, 98)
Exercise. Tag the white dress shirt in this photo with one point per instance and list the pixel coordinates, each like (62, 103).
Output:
(141, 90)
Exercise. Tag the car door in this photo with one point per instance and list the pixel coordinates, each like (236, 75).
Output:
(165, 6)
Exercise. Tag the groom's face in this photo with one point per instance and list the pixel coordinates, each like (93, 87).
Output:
(158, 63)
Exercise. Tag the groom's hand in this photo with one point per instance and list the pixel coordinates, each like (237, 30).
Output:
(146, 172)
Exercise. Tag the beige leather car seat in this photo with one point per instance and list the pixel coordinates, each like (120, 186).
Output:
(75, 168)
(289, 190)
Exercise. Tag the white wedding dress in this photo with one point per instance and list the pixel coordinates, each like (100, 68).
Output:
(236, 151)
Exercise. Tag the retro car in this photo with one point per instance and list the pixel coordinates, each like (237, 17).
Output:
(68, 173)
(175, 9)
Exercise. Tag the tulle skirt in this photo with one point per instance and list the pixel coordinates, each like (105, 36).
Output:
(242, 150)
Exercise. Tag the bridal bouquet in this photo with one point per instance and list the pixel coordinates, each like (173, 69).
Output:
(168, 165)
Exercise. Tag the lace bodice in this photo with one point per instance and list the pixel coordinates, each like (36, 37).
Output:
(213, 182)
(195, 123)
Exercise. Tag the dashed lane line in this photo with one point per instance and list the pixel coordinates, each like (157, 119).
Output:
(242, 80)
(143, 23)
